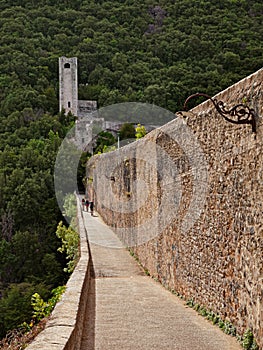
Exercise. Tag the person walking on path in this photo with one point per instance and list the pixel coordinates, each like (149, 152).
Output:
(83, 203)
(91, 206)
(87, 203)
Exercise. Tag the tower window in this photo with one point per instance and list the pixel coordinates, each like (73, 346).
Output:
(68, 104)
(67, 65)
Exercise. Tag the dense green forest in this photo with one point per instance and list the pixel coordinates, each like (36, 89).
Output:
(157, 52)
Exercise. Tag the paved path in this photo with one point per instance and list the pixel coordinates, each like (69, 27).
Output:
(129, 310)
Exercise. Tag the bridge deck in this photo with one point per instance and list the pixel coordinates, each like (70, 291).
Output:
(129, 310)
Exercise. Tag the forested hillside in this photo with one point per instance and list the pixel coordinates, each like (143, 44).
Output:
(157, 52)
(127, 50)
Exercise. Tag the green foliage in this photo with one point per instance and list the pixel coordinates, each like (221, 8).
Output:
(108, 149)
(104, 140)
(127, 51)
(213, 317)
(140, 131)
(146, 271)
(127, 131)
(248, 341)
(70, 206)
(43, 309)
(25, 258)
(29, 214)
(40, 307)
(70, 245)
(15, 306)
(229, 328)
(190, 303)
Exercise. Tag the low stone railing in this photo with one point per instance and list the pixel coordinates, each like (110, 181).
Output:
(64, 329)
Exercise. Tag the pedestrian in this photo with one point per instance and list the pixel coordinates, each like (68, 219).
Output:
(87, 204)
(83, 203)
(91, 207)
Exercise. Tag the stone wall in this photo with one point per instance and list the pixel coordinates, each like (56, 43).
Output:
(64, 329)
(189, 199)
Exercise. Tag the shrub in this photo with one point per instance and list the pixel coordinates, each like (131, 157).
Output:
(70, 245)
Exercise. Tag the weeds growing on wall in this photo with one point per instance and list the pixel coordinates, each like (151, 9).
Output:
(247, 341)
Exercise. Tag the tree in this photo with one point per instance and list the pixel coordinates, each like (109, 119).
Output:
(70, 245)
(28, 254)
(7, 225)
(140, 131)
(15, 306)
(105, 138)
(127, 131)
(6, 261)
(70, 206)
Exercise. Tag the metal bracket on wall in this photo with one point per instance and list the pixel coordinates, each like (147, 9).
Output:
(240, 113)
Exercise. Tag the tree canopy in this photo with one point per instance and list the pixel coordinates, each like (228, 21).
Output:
(127, 51)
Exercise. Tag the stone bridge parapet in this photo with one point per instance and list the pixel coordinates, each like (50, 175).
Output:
(64, 329)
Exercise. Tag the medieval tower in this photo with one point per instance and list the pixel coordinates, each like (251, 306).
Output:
(68, 85)
(85, 110)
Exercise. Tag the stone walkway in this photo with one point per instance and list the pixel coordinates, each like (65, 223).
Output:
(129, 310)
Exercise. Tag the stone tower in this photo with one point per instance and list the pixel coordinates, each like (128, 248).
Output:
(68, 85)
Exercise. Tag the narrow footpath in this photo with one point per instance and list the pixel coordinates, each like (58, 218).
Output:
(129, 310)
